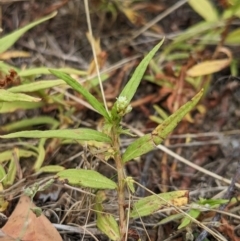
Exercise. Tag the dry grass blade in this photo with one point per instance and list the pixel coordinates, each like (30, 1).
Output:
(94, 52)
(177, 5)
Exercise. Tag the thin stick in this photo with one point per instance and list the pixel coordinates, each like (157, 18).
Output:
(177, 5)
(94, 52)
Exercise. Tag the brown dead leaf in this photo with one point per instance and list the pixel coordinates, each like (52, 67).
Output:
(149, 7)
(9, 80)
(228, 229)
(25, 225)
(134, 17)
(14, 54)
(138, 19)
(211, 66)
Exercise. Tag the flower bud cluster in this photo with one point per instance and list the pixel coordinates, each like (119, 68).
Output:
(123, 106)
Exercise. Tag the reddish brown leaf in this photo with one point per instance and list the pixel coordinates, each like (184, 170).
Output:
(25, 225)
(228, 229)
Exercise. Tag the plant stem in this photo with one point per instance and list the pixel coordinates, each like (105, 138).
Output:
(121, 178)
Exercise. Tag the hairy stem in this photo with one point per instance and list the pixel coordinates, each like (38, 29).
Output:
(121, 191)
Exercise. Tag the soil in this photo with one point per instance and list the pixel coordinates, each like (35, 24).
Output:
(62, 42)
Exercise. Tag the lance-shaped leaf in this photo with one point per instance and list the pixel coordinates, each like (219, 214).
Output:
(78, 87)
(153, 203)
(7, 41)
(148, 142)
(12, 169)
(41, 155)
(3, 176)
(167, 126)
(45, 70)
(83, 134)
(51, 169)
(86, 178)
(173, 217)
(233, 37)
(139, 147)
(21, 124)
(7, 107)
(6, 96)
(130, 88)
(105, 221)
(208, 67)
(36, 86)
(205, 9)
(108, 225)
(194, 213)
(7, 155)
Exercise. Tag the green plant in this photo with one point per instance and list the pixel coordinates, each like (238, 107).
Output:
(110, 134)
(203, 205)
(189, 66)
(16, 97)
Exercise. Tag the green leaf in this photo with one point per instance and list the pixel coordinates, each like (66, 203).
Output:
(205, 9)
(171, 218)
(21, 124)
(7, 41)
(88, 96)
(130, 88)
(7, 96)
(94, 81)
(108, 225)
(139, 147)
(37, 211)
(105, 222)
(12, 169)
(90, 81)
(196, 30)
(51, 169)
(161, 112)
(153, 203)
(7, 155)
(233, 37)
(83, 134)
(194, 213)
(44, 70)
(130, 184)
(86, 178)
(36, 86)
(3, 175)
(156, 119)
(4, 67)
(212, 202)
(234, 10)
(41, 155)
(148, 142)
(8, 107)
(168, 125)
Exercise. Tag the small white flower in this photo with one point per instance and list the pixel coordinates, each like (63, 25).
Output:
(123, 106)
